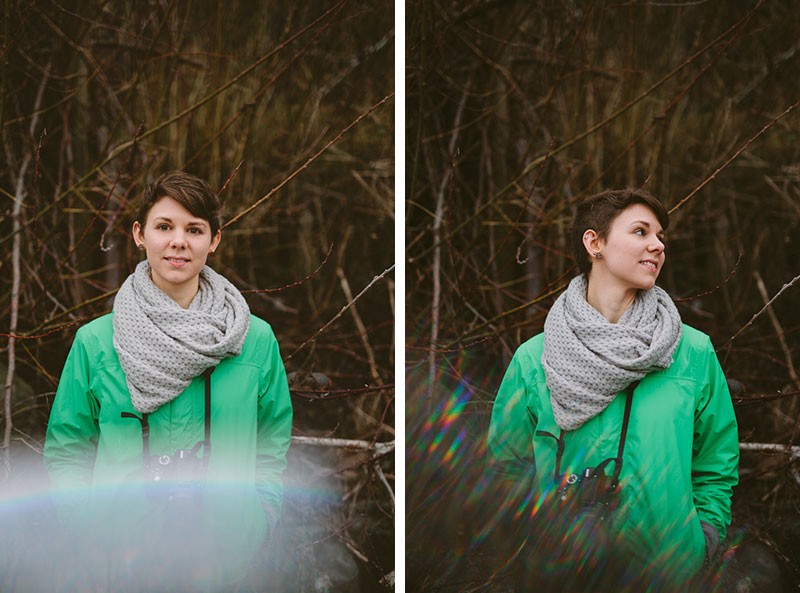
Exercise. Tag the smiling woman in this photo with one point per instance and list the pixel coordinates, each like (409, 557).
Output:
(176, 404)
(613, 441)
(628, 258)
(181, 216)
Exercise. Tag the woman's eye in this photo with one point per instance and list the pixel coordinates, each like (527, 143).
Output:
(640, 232)
(195, 231)
(163, 227)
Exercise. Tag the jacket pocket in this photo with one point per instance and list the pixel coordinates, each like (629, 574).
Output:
(697, 548)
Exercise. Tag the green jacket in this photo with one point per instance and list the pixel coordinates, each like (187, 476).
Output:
(94, 455)
(681, 454)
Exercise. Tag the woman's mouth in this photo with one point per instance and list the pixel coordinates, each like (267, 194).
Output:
(650, 265)
(177, 262)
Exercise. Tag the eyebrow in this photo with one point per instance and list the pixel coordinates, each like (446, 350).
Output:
(647, 224)
(198, 222)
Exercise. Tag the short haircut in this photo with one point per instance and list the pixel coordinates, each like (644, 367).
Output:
(599, 211)
(189, 191)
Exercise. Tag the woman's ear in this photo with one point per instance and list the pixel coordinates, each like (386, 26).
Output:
(215, 242)
(592, 243)
(138, 234)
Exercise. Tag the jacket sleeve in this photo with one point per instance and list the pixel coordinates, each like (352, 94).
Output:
(715, 450)
(510, 467)
(274, 433)
(510, 442)
(72, 430)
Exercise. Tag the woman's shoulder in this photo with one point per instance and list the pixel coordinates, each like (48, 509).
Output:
(96, 341)
(694, 347)
(530, 352)
(694, 339)
(260, 329)
(534, 344)
(97, 331)
(260, 336)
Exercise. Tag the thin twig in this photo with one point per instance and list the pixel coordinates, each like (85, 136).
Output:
(320, 394)
(717, 287)
(759, 399)
(778, 330)
(230, 178)
(113, 218)
(341, 312)
(734, 156)
(308, 162)
(15, 281)
(757, 315)
(16, 248)
(292, 284)
(362, 329)
(438, 219)
(382, 476)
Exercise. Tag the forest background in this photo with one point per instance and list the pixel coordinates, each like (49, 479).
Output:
(515, 111)
(287, 109)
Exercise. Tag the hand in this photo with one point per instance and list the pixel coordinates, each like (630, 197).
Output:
(712, 540)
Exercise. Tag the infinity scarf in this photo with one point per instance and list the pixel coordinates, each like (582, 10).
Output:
(587, 360)
(162, 346)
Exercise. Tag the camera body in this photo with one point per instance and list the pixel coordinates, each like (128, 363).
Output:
(176, 477)
(592, 489)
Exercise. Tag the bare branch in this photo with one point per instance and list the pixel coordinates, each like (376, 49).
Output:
(305, 165)
(758, 314)
(341, 312)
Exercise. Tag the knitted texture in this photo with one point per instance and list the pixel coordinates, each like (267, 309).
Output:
(587, 360)
(162, 346)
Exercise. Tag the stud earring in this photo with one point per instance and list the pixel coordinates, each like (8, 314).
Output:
(140, 247)
(598, 255)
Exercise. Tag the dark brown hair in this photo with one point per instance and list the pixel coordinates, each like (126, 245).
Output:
(189, 191)
(597, 212)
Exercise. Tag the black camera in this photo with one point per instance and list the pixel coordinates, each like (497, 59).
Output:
(592, 489)
(176, 477)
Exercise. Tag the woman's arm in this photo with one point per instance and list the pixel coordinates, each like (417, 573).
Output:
(510, 467)
(72, 430)
(510, 441)
(274, 433)
(715, 451)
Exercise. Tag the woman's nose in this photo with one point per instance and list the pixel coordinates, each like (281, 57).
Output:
(178, 239)
(657, 245)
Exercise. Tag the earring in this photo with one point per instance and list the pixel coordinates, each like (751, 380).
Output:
(140, 247)
(598, 255)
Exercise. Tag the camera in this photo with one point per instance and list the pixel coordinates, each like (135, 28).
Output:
(573, 533)
(176, 477)
(592, 491)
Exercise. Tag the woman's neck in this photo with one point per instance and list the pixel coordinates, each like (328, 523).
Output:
(610, 301)
(183, 294)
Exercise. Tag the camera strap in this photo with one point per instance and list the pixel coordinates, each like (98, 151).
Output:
(205, 443)
(623, 434)
(207, 421)
(600, 469)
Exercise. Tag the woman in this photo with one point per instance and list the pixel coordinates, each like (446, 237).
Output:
(169, 430)
(659, 484)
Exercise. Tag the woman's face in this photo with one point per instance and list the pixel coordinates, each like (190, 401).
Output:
(177, 244)
(633, 253)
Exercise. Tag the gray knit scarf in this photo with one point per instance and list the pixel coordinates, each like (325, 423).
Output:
(587, 360)
(162, 346)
